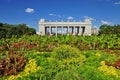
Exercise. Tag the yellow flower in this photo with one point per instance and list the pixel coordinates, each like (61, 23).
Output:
(102, 63)
(108, 70)
(98, 54)
(30, 67)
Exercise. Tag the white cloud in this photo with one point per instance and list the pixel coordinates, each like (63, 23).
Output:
(29, 10)
(55, 15)
(105, 22)
(117, 3)
(92, 19)
(70, 18)
(51, 14)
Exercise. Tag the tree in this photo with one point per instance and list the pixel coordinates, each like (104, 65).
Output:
(7, 30)
(106, 29)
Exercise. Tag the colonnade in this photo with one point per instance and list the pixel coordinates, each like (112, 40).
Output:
(72, 28)
(75, 30)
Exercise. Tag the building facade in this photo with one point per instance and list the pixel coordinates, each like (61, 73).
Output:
(94, 31)
(61, 28)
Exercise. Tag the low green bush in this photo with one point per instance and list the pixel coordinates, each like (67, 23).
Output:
(66, 52)
(67, 75)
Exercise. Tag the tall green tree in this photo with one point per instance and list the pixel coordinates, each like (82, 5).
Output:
(7, 30)
(107, 29)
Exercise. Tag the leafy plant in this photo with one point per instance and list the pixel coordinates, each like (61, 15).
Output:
(12, 65)
(68, 75)
(66, 52)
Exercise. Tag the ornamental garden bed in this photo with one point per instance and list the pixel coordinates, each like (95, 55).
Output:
(60, 58)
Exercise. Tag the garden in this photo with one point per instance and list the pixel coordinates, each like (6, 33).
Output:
(37, 57)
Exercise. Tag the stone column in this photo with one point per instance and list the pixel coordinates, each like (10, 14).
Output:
(50, 30)
(79, 31)
(74, 31)
(56, 30)
(62, 30)
(68, 31)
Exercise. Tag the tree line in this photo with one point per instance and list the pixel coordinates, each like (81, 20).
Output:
(107, 29)
(7, 30)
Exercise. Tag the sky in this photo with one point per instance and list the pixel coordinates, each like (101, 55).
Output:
(31, 11)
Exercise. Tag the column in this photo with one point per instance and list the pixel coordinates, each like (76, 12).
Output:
(68, 30)
(79, 31)
(56, 30)
(50, 30)
(62, 30)
(74, 31)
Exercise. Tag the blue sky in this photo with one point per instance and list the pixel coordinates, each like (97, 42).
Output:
(30, 11)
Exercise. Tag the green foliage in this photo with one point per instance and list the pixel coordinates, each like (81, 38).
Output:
(63, 57)
(106, 29)
(7, 30)
(92, 63)
(67, 75)
(66, 52)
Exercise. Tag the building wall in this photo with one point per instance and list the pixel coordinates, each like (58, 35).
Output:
(94, 31)
(87, 24)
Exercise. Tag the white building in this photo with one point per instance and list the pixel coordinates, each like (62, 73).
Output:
(71, 28)
(94, 31)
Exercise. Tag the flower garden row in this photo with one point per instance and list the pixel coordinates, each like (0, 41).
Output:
(60, 57)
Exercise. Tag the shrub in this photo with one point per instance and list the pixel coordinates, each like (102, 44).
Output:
(12, 65)
(67, 75)
(66, 52)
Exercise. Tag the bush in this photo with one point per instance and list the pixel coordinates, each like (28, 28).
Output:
(66, 52)
(67, 75)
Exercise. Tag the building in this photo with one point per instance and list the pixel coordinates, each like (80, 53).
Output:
(94, 31)
(70, 28)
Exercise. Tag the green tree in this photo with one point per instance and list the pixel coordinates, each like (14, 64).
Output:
(107, 29)
(7, 30)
